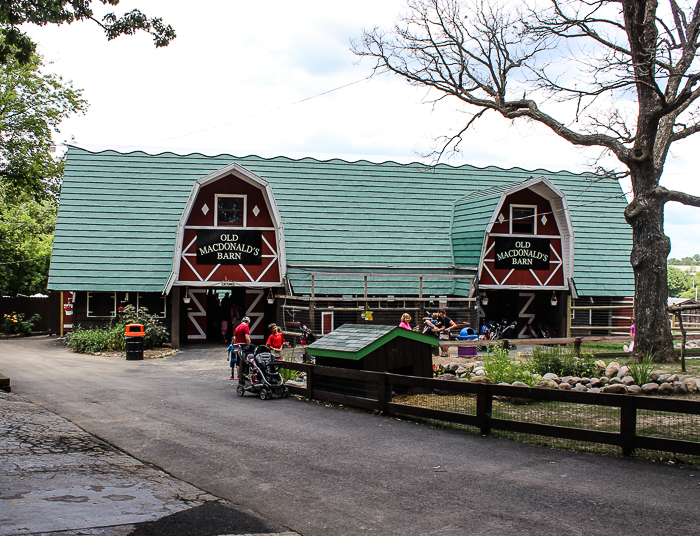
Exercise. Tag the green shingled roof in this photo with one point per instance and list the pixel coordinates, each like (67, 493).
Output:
(119, 213)
(355, 341)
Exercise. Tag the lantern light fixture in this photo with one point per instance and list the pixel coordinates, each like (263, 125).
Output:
(554, 300)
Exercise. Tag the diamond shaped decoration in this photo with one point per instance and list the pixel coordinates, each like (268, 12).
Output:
(544, 219)
(500, 218)
(256, 210)
(205, 209)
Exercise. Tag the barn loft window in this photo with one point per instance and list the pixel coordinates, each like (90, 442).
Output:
(230, 210)
(523, 219)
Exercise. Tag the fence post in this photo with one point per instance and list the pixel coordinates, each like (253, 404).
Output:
(628, 426)
(484, 407)
(381, 392)
(310, 382)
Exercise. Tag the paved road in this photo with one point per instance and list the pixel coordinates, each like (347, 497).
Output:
(323, 471)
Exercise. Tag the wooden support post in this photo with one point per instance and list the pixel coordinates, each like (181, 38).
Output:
(628, 426)
(420, 288)
(568, 316)
(484, 408)
(175, 317)
(680, 325)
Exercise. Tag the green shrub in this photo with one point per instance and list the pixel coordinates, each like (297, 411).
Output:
(85, 341)
(641, 372)
(111, 338)
(562, 362)
(499, 367)
(15, 324)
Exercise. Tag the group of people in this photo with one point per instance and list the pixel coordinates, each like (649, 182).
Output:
(241, 335)
(438, 325)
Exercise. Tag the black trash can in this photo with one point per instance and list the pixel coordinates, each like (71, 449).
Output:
(134, 336)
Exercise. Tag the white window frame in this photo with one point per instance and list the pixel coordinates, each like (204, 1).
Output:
(245, 208)
(114, 306)
(534, 229)
(162, 314)
(324, 314)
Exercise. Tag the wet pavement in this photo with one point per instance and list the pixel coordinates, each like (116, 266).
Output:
(56, 479)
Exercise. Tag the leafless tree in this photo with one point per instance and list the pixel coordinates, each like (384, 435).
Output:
(616, 74)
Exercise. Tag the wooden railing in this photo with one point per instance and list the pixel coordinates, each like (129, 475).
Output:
(380, 388)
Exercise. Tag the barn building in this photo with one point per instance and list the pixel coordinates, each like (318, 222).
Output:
(200, 239)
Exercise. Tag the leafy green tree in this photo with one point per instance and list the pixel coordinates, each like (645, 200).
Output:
(26, 237)
(19, 46)
(678, 282)
(32, 105)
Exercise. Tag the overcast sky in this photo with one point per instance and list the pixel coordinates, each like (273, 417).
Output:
(249, 78)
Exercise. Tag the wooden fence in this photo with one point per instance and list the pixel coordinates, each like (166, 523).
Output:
(378, 392)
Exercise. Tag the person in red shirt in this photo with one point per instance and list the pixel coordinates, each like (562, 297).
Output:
(241, 335)
(276, 340)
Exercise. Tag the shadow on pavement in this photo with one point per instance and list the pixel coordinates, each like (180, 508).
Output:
(211, 518)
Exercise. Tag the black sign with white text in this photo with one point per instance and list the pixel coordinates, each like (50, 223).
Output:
(521, 253)
(235, 246)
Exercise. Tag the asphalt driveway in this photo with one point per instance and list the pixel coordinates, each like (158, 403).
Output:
(325, 471)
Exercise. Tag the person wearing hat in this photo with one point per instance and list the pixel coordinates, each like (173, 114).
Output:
(241, 335)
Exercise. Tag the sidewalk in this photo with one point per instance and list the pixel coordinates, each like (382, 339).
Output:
(57, 479)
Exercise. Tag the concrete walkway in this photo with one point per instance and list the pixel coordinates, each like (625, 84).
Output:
(57, 479)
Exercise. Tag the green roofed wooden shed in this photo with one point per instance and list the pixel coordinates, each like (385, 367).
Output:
(376, 348)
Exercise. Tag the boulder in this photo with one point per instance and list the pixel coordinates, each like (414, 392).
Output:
(519, 384)
(604, 380)
(552, 376)
(624, 370)
(600, 366)
(665, 389)
(649, 388)
(680, 388)
(612, 369)
(684, 377)
(565, 379)
(615, 388)
(595, 382)
(574, 380)
(580, 388)
(673, 378)
(460, 370)
(628, 380)
(615, 381)
(594, 390)
(692, 384)
(585, 380)
(480, 379)
(565, 386)
(654, 375)
(662, 378)
(634, 390)
(547, 384)
(450, 377)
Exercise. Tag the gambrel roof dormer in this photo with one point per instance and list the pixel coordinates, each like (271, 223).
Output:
(519, 234)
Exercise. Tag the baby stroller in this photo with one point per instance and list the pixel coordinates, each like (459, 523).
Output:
(260, 374)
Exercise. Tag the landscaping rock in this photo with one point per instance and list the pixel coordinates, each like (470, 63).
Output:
(665, 389)
(585, 380)
(662, 378)
(649, 388)
(628, 380)
(612, 369)
(460, 370)
(680, 388)
(692, 384)
(519, 384)
(600, 366)
(673, 378)
(594, 390)
(634, 390)
(480, 379)
(580, 388)
(552, 376)
(615, 388)
(547, 384)
(450, 377)
(684, 377)
(624, 370)
(574, 380)
(595, 382)
(615, 381)
(565, 386)
(654, 375)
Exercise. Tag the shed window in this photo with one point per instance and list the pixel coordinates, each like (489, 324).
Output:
(102, 304)
(155, 304)
(523, 219)
(230, 210)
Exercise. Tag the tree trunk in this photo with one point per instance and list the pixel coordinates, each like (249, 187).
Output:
(650, 249)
